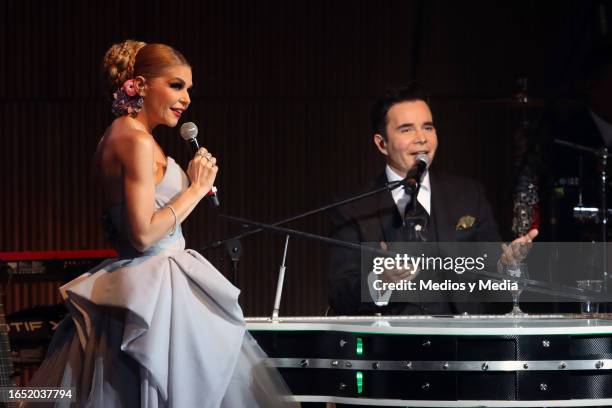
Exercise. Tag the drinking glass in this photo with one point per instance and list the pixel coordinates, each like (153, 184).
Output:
(518, 271)
(589, 285)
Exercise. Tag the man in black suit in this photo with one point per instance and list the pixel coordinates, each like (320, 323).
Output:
(454, 209)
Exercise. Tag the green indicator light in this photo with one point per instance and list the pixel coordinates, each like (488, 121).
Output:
(359, 348)
(359, 378)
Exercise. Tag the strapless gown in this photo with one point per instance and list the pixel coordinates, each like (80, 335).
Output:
(161, 328)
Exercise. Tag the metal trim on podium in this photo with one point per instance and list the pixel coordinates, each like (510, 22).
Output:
(459, 361)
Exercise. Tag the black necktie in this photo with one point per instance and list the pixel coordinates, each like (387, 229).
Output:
(416, 222)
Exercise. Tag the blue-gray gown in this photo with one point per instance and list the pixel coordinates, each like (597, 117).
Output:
(157, 329)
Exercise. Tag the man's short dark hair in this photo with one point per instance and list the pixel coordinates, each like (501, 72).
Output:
(406, 93)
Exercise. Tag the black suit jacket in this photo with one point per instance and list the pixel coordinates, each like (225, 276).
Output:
(371, 219)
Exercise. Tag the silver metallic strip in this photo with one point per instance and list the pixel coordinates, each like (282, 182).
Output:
(393, 365)
(452, 404)
(470, 325)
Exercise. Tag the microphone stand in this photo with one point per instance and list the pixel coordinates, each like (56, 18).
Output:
(279, 283)
(290, 232)
(234, 250)
(531, 285)
(604, 216)
(233, 243)
(389, 186)
(603, 155)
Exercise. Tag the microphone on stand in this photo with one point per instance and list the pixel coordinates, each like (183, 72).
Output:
(189, 132)
(412, 182)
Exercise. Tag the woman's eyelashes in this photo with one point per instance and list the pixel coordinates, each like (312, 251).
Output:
(179, 86)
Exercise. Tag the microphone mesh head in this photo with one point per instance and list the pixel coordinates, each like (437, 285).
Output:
(420, 157)
(189, 130)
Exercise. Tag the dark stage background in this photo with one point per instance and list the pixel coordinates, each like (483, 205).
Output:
(282, 97)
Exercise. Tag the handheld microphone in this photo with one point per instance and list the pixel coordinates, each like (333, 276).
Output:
(189, 132)
(415, 174)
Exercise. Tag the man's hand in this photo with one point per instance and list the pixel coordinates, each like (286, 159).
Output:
(396, 275)
(515, 252)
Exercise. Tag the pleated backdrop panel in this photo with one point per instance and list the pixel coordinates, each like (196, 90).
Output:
(24, 295)
(282, 95)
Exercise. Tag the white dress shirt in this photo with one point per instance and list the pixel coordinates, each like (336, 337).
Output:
(401, 201)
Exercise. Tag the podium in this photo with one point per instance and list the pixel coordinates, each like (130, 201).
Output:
(425, 361)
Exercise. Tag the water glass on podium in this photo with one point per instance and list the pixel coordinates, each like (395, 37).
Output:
(589, 285)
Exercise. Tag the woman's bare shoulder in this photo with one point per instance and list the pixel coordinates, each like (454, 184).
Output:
(124, 149)
(126, 138)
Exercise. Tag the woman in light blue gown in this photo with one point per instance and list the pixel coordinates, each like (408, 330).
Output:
(158, 326)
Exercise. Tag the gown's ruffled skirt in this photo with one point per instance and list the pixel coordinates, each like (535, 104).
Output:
(162, 330)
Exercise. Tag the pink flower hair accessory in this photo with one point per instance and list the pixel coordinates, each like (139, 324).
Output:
(126, 101)
(129, 88)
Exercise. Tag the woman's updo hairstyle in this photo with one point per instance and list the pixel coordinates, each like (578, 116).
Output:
(131, 58)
